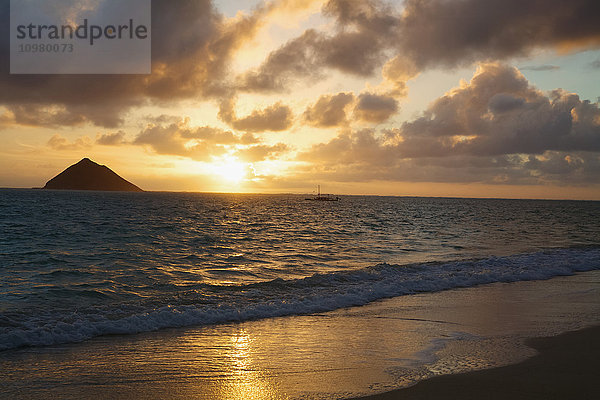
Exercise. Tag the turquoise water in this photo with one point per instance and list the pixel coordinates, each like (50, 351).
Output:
(76, 265)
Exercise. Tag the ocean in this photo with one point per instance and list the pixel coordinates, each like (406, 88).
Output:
(78, 265)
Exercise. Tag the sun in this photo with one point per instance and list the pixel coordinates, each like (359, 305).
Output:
(230, 169)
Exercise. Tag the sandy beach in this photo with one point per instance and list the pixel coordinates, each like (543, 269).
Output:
(347, 353)
(565, 368)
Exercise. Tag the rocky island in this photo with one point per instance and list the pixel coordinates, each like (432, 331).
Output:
(88, 175)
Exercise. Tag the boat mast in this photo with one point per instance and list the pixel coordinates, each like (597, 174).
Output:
(319, 190)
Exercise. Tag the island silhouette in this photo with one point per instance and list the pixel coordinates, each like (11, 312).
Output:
(88, 175)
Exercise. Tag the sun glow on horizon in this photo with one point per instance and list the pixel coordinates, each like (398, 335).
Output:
(230, 169)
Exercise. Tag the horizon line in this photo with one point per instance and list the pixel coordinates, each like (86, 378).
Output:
(308, 193)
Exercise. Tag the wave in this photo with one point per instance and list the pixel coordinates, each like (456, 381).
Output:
(279, 297)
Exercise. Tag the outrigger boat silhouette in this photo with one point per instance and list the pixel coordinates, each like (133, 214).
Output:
(323, 197)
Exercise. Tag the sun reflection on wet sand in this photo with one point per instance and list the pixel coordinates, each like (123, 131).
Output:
(244, 380)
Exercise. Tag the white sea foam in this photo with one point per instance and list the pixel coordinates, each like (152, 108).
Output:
(318, 293)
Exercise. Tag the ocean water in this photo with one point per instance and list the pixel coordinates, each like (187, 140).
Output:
(78, 265)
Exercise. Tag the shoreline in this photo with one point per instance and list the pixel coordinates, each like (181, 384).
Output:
(565, 367)
(342, 354)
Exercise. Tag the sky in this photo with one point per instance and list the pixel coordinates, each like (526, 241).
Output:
(461, 98)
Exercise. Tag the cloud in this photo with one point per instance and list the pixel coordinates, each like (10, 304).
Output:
(360, 148)
(58, 142)
(7, 119)
(544, 67)
(163, 139)
(357, 48)
(503, 102)
(332, 110)
(204, 143)
(294, 60)
(111, 139)
(375, 108)
(277, 117)
(595, 63)
(347, 159)
(449, 33)
(425, 34)
(396, 72)
(568, 168)
(192, 45)
(498, 112)
(262, 152)
(178, 138)
(496, 128)
(51, 116)
(329, 110)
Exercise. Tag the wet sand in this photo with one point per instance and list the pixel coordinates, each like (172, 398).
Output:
(565, 368)
(343, 354)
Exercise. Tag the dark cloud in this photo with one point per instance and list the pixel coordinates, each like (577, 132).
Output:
(191, 49)
(494, 129)
(296, 59)
(364, 29)
(498, 112)
(375, 108)
(277, 117)
(575, 168)
(329, 110)
(357, 48)
(345, 159)
(504, 102)
(426, 34)
(540, 68)
(47, 115)
(449, 33)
